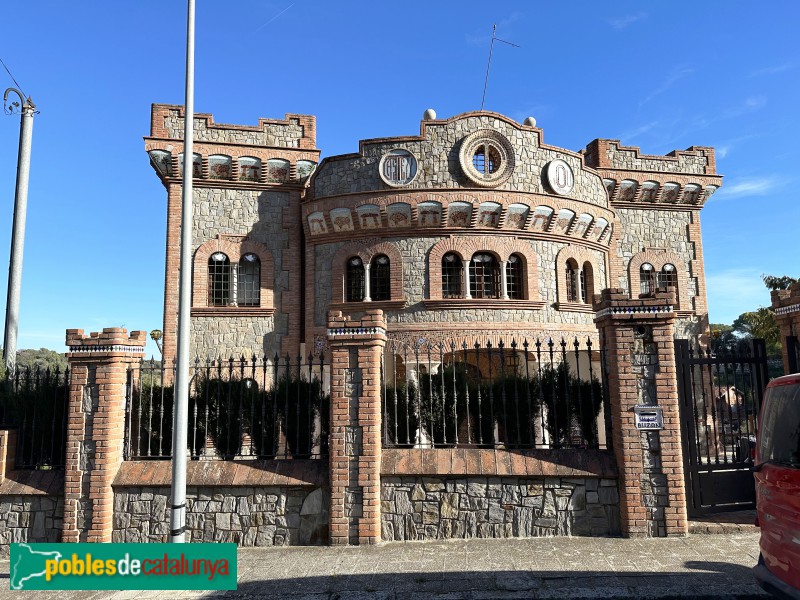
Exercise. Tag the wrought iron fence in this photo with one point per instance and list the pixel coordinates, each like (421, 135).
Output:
(540, 394)
(793, 354)
(34, 403)
(238, 409)
(721, 391)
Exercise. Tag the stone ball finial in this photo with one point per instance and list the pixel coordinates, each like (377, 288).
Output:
(530, 122)
(429, 115)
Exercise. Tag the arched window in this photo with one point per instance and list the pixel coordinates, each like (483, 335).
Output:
(354, 281)
(249, 283)
(219, 279)
(451, 276)
(571, 279)
(587, 283)
(668, 277)
(484, 276)
(379, 278)
(647, 278)
(514, 285)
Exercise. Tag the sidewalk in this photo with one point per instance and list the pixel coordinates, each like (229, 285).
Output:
(697, 566)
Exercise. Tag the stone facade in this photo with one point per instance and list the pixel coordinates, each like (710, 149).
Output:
(602, 208)
(30, 519)
(270, 516)
(215, 336)
(425, 508)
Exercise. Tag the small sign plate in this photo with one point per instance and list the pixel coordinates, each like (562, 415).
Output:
(648, 418)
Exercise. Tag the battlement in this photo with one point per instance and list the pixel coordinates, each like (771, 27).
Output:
(295, 131)
(610, 154)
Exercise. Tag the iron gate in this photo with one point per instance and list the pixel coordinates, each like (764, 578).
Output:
(720, 396)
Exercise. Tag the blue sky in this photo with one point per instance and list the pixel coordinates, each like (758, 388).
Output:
(661, 76)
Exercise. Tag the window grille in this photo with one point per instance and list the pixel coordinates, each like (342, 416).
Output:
(486, 159)
(354, 282)
(587, 282)
(452, 270)
(249, 283)
(219, 280)
(647, 277)
(484, 276)
(668, 277)
(514, 277)
(380, 278)
(571, 275)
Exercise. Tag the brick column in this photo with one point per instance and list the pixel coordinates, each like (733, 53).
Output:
(355, 431)
(786, 305)
(637, 337)
(96, 427)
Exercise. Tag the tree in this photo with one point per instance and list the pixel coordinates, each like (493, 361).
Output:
(760, 323)
(42, 358)
(774, 282)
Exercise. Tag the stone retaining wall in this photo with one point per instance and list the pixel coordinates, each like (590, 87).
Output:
(423, 508)
(26, 518)
(248, 516)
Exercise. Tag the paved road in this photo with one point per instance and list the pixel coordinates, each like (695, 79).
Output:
(697, 566)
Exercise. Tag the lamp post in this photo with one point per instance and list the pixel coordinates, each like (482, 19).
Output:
(27, 110)
(156, 336)
(177, 516)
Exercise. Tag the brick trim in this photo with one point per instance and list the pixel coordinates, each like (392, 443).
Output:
(366, 250)
(234, 249)
(580, 256)
(659, 258)
(500, 247)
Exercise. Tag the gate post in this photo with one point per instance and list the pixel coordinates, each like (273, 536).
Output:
(355, 429)
(98, 367)
(786, 305)
(637, 338)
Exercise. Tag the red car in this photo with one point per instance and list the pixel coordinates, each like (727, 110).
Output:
(777, 473)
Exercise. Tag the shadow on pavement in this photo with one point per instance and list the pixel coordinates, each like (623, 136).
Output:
(701, 580)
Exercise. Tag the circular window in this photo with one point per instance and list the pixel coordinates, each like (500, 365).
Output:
(398, 167)
(486, 157)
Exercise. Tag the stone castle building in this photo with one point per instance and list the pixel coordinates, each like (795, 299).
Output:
(474, 229)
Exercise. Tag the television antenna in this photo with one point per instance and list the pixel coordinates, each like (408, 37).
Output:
(489, 64)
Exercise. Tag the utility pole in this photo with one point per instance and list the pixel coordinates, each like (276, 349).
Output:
(18, 230)
(177, 518)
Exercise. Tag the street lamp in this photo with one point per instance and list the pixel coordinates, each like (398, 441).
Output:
(27, 110)
(156, 336)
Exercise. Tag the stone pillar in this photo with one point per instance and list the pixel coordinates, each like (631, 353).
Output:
(8, 451)
(99, 366)
(503, 280)
(367, 290)
(786, 305)
(637, 339)
(357, 345)
(467, 295)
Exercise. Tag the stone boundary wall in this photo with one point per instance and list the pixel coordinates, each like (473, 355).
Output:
(30, 518)
(247, 516)
(31, 507)
(425, 508)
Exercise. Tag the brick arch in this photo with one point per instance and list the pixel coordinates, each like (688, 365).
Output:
(659, 258)
(501, 247)
(580, 256)
(234, 249)
(366, 250)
